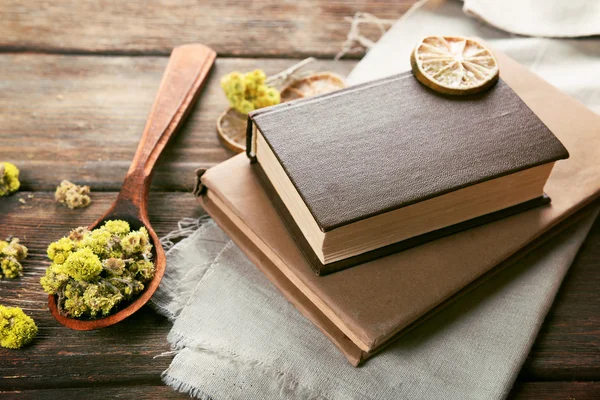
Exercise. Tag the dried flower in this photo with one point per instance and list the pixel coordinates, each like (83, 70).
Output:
(11, 255)
(72, 195)
(95, 272)
(60, 250)
(136, 242)
(249, 92)
(16, 328)
(9, 178)
(83, 265)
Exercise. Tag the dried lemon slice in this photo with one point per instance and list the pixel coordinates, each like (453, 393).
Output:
(312, 85)
(231, 125)
(454, 65)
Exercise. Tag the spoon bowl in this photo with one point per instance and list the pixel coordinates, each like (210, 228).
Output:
(184, 77)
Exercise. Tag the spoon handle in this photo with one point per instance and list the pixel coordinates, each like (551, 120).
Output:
(180, 86)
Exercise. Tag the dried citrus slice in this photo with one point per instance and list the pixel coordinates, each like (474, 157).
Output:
(231, 125)
(454, 65)
(312, 85)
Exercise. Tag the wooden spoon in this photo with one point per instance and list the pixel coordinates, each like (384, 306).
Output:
(185, 75)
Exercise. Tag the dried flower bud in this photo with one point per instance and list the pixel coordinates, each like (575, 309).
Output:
(114, 266)
(83, 265)
(72, 195)
(9, 178)
(55, 279)
(136, 242)
(249, 92)
(11, 267)
(117, 227)
(101, 299)
(74, 304)
(16, 328)
(15, 249)
(11, 255)
(60, 250)
(99, 241)
(79, 233)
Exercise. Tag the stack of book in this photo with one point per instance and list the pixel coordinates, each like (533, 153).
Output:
(372, 207)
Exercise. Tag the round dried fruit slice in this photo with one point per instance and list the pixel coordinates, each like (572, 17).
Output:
(312, 85)
(454, 65)
(231, 125)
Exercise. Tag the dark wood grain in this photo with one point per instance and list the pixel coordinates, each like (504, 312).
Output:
(240, 28)
(80, 118)
(124, 353)
(98, 392)
(60, 357)
(65, 116)
(525, 390)
(556, 391)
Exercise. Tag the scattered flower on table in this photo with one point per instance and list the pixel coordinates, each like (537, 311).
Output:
(9, 178)
(11, 255)
(16, 328)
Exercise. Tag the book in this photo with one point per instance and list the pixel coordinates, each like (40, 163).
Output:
(362, 309)
(380, 167)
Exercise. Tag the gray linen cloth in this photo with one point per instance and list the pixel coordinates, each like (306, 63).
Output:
(237, 337)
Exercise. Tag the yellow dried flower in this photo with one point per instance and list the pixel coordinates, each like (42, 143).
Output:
(245, 107)
(99, 299)
(11, 255)
(16, 328)
(60, 250)
(136, 242)
(11, 268)
(117, 227)
(54, 279)
(259, 76)
(249, 92)
(83, 265)
(9, 178)
(99, 241)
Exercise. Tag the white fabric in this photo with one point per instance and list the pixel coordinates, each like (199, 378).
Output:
(548, 18)
(572, 65)
(239, 338)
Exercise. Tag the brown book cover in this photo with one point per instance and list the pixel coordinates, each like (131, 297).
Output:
(361, 309)
(391, 143)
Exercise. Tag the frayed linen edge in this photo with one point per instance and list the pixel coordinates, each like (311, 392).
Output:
(177, 341)
(286, 382)
(183, 387)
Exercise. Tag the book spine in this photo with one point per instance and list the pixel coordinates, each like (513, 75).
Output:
(250, 140)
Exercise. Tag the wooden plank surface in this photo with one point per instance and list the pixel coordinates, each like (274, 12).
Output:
(233, 28)
(78, 79)
(526, 390)
(556, 391)
(81, 117)
(124, 354)
(59, 357)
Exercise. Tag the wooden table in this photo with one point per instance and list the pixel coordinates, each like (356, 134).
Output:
(77, 78)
